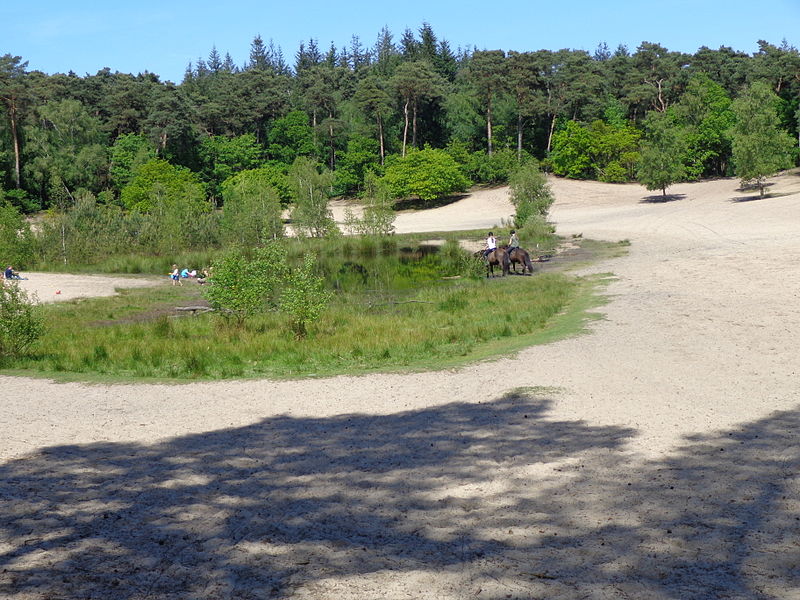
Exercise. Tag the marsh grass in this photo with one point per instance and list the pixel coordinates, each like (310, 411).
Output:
(427, 328)
(391, 311)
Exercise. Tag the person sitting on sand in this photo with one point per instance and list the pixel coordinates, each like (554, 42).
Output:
(203, 278)
(185, 273)
(10, 273)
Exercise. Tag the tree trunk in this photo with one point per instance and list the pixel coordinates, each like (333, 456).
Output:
(489, 125)
(519, 137)
(15, 138)
(333, 148)
(380, 137)
(550, 135)
(414, 125)
(405, 127)
(314, 125)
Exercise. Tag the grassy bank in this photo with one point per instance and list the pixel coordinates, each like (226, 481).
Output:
(414, 320)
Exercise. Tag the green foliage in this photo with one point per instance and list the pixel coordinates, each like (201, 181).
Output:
(16, 239)
(661, 162)
(448, 322)
(530, 193)
(158, 181)
(378, 216)
(493, 168)
(706, 120)
(760, 147)
(21, 199)
(222, 157)
(601, 150)
(128, 153)
(66, 148)
(251, 214)
(304, 297)
(457, 261)
(245, 284)
(428, 174)
(291, 137)
(21, 322)
(571, 153)
(360, 158)
(311, 216)
(537, 235)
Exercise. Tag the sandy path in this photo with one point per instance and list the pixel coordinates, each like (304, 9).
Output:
(58, 287)
(661, 460)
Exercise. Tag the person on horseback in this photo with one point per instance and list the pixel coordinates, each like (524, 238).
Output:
(491, 246)
(513, 242)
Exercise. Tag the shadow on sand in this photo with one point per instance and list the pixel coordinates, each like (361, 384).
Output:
(496, 498)
(662, 199)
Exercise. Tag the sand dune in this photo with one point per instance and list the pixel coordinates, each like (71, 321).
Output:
(654, 457)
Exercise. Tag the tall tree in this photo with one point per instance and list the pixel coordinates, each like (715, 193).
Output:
(258, 55)
(526, 86)
(705, 115)
(374, 100)
(413, 82)
(760, 147)
(12, 94)
(487, 72)
(660, 165)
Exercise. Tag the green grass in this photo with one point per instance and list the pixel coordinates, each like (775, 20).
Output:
(412, 320)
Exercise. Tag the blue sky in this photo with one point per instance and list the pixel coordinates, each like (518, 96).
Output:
(163, 37)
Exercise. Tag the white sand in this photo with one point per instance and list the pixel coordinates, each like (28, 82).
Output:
(657, 458)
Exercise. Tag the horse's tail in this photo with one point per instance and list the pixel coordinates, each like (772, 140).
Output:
(528, 263)
(505, 261)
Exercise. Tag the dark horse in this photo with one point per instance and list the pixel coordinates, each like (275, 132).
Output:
(520, 256)
(497, 257)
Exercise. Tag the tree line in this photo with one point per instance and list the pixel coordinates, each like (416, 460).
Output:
(140, 143)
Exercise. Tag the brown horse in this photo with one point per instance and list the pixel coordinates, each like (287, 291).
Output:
(498, 257)
(520, 256)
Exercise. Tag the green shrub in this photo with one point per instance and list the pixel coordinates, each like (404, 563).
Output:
(304, 297)
(21, 322)
(428, 174)
(530, 193)
(16, 240)
(242, 285)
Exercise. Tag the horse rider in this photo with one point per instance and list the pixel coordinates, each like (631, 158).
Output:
(491, 246)
(513, 242)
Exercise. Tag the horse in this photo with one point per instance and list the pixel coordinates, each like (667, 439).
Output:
(520, 256)
(497, 257)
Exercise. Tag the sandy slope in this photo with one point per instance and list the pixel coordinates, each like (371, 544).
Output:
(658, 458)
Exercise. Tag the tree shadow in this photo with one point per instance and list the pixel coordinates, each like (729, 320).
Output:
(661, 198)
(266, 506)
(420, 204)
(496, 498)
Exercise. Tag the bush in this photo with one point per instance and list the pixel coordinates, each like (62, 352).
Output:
(311, 216)
(16, 240)
(530, 193)
(21, 323)
(304, 297)
(244, 285)
(379, 215)
(428, 174)
(251, 214)
(537, 235)
(457, 261)
(494, 168)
